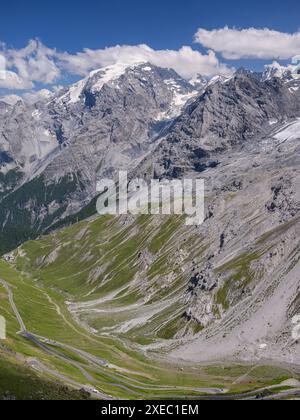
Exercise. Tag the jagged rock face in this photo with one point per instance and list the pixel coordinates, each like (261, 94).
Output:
(224, 290)
(102, 124)
(4, 108)
(199, 82)
(27, 137)
(141, 118)
(237, 271)
(111, 112)
(228, 114)
(114, 126)
(275, 70)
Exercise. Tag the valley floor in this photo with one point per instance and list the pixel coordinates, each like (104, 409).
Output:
(55, 348)
(147, 307)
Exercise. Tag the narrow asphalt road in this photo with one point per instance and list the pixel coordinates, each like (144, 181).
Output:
(39, 366)
(43, 342)
(219, 394)
(13, 306)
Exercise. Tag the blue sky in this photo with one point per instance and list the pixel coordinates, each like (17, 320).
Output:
(73, 26)
(161, 24)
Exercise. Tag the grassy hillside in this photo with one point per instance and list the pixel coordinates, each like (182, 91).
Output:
(126, 265)
(115, 291)
(19, 382)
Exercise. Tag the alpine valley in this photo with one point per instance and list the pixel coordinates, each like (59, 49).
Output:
(145, 306)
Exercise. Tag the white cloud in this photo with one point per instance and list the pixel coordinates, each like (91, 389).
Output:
(186, 61)
(27, 66)
(13, 81)
(2, 67)
(36, 64)
(250, 43)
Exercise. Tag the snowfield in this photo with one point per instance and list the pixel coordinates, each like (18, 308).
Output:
(289, 132)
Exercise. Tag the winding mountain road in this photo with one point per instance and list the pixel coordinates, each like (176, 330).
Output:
(43, 343)
(37, 341)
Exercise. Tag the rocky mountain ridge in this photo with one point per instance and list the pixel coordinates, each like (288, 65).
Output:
(141, 118)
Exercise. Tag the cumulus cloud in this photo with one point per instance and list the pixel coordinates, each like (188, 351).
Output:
(186, 61)
(38, 64)
(13, 81)
(2, 67)
(34, 63)
(27, 66)
(250, 43)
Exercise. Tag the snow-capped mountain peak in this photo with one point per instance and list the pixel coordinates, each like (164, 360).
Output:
(142, 76)
(111, 73)
(219, 79)
(290, 72)
(97, 79)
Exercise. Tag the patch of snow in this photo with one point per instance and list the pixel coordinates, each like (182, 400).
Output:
(219, 79)
(110, 74)
(161, 116)
(47, 133)
(173, 83)
(289, 132)
(197, 81)
(277, 70)
(263, 346)
(76, 91)
(181, 99)
(105, 75)
(294, 89)
(36, 114)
